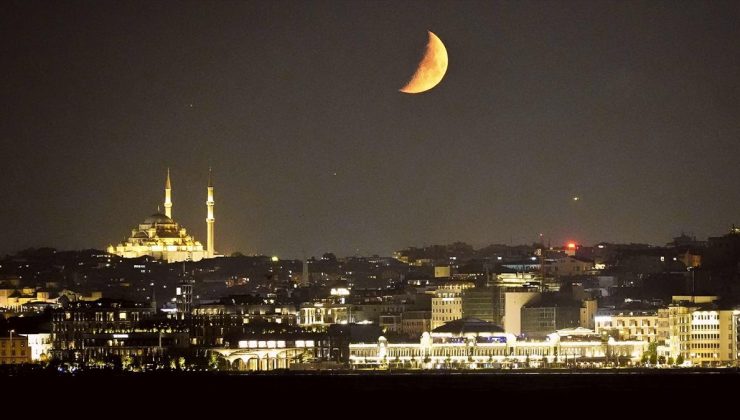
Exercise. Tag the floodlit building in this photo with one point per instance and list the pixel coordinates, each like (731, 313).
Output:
(161, 237)
(40, 346)
(675, 325)
(628, 324)
(416, 323)
(476, 344)
(291, 350)
(589, 307)
(713, 337)
(14, 350)
(15, 299)
(447, 302)
(322, 314)
(514, 300)
(674, 329)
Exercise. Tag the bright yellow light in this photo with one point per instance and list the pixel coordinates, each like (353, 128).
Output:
(275, 259)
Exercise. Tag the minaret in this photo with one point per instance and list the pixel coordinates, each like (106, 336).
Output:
(168, 196)
(210, 220)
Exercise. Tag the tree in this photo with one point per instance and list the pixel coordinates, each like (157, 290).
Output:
(651, 354)
(679, 359)
(126, 362)
(213, 360)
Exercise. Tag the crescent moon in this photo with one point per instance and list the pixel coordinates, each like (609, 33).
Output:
(431, 69)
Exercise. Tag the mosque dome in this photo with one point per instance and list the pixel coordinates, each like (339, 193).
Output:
(158, 218)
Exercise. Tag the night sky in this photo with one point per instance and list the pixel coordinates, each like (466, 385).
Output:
(634, 107)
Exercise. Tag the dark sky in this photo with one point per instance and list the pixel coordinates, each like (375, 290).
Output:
(632, 106)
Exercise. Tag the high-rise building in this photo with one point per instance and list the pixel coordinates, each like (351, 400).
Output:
(514, 300)
(481, 303)
(184, 298)
(447, 302)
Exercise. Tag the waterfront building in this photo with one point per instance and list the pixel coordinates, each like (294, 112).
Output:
(90, 332)
(628, 324)
(476, 344)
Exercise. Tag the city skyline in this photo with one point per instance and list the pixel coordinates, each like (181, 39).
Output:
(630, 107)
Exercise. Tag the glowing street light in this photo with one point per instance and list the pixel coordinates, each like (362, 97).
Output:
(11, 341)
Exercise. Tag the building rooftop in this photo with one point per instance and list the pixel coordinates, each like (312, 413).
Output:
(469, 326)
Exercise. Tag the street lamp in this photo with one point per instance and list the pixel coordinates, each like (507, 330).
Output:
(12, 352)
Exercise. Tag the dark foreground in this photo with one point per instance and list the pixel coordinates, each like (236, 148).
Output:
(662, 388)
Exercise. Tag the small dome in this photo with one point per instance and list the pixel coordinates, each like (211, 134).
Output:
(158, 218)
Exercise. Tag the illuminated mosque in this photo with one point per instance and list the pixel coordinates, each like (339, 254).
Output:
(159, 236)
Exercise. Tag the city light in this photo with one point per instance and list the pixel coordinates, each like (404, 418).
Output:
(392, 214)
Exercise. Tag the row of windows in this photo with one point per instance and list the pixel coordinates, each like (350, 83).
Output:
(444, 318)
(82, 316)
(609, 324)
(446, 302)
(706, 336)
(4, 353)
(705, 345)
(706, 355)
(445, 311)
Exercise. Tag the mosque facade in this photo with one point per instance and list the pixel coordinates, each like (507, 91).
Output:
(161, 237)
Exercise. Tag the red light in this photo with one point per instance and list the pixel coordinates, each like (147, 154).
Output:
(571, 245)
